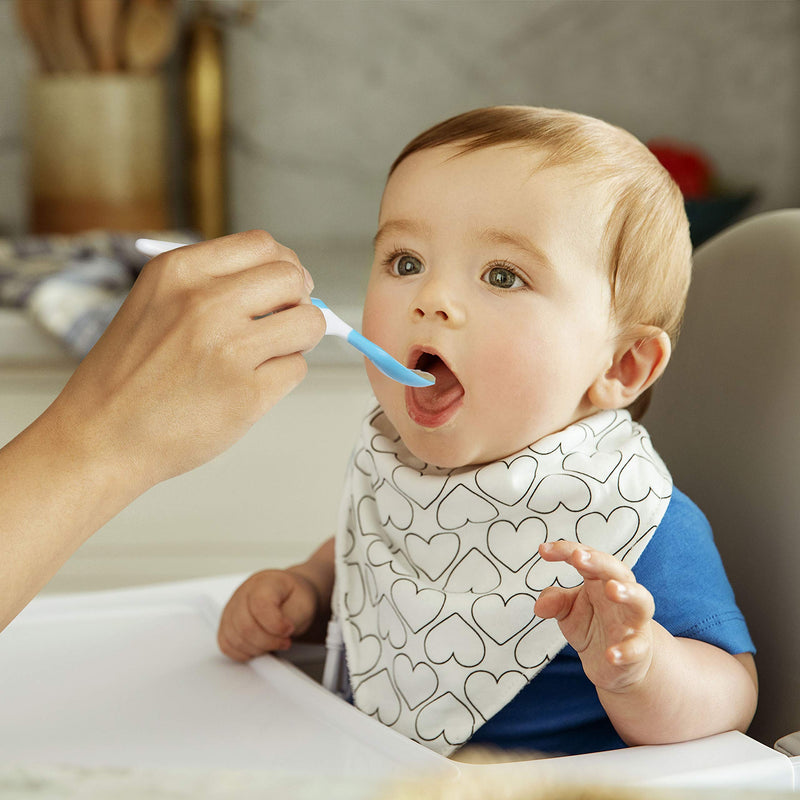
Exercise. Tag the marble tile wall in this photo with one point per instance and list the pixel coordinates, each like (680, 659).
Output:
(324, 93)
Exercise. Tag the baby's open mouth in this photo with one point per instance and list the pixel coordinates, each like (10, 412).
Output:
(432, 406)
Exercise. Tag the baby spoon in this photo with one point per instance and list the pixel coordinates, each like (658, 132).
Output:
(335, 326)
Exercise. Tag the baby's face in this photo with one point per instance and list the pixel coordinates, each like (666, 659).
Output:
(488, 274)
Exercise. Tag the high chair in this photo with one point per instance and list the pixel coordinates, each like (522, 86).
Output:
(133, 679)
(726, 419)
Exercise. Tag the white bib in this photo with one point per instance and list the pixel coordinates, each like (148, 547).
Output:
(437, 570)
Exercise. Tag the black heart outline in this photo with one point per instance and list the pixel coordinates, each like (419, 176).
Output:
(415, 563)
(555, 582)
(560, 502)
(535, 667)
(516, 530)
(389, 520)
(590, 457)
(394, 560)
(373, 592)
(615, 416)
(509, 466)
(417, 592)
(442, 732)
(607, 520)
(608, 440)
(557, 439)
(376, 713)
(651, 490)
(349, 543)
(496, 680)
(357, 568)
(370, 472)
(461, 489)
(360, 648)
(488, 597)
(477, 590)
(446, 621)
(388, 637)
(413, 668)
(362, 519)
(421, 475)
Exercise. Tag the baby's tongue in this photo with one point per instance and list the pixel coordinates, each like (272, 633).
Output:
(446, 391)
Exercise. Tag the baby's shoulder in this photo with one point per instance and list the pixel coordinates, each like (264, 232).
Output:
(683, 518)
(684, 534)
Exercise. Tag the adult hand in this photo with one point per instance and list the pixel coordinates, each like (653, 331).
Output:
(189, 363)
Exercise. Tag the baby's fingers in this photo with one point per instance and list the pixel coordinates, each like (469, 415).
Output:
(252, 622)
(591, 564)
(241, 637)
(634, 602)
(555, 603)
(632, 650)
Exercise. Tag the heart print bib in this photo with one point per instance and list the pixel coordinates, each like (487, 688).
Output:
(437, 570)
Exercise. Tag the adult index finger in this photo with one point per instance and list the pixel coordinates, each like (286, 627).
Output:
(262, 290)
(234, 253)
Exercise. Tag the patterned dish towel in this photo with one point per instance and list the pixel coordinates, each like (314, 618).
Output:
(72, 286)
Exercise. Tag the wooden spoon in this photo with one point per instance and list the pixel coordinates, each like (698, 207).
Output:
(33, 17)
(100, 25)
(68, 45)
(150, 32)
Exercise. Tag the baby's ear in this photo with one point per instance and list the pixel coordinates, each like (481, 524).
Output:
(638, 363)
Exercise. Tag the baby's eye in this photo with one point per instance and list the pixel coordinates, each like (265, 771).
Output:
(503, 278)
(406, 265)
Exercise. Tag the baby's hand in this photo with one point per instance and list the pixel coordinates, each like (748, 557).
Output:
(265, 612)
(608, 619)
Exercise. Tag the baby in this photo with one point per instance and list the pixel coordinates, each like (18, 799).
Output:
(513, 566)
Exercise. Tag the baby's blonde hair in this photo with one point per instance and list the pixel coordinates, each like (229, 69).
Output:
(647, 248)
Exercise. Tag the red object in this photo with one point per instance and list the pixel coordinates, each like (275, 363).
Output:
(689, 167)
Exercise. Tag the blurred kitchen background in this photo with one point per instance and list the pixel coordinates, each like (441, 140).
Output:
(320, 96)
(210, 117)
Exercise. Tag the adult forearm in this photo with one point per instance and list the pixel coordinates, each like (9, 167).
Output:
(210, 337)
(54, 493)
(692, 689)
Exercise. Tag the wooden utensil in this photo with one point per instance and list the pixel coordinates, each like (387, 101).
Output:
(100, 25)
(150, 30)
(205, 125)
(67, 43)
(33, 17)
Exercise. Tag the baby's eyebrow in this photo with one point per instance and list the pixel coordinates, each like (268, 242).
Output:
(397, 226)
(518, 240)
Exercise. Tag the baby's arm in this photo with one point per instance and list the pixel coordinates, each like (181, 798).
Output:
(655, 687)
(275, 606)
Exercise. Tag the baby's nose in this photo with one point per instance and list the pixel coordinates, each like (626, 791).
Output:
(440, 302)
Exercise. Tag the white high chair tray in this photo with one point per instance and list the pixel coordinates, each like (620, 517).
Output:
(133, 679)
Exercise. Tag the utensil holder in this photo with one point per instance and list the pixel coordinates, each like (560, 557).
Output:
(98, 153)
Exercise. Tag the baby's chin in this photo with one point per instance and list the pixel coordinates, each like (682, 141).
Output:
(444, 449)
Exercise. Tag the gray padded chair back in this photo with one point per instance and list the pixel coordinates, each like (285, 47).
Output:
(726, 419)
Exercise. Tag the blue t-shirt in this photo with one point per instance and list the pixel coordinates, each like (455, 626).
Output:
(559, 711)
